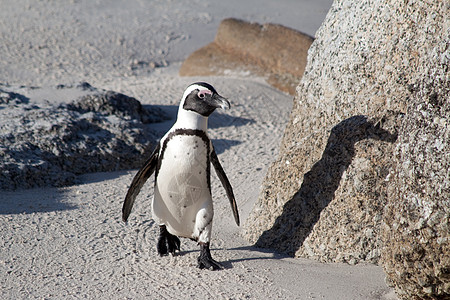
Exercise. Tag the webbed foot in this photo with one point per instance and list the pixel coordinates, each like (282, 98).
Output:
(205, 261)
(167, 243)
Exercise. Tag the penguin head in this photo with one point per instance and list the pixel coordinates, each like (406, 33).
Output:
(203, 99)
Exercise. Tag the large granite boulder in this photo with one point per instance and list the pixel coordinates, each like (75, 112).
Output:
(273, 51)
(416, 232)
(43, 143)
(340, 164)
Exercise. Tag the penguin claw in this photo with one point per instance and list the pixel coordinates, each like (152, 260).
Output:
(205, 261)
(210, 264)
(167, 243)
(173, 244)
(161, 247)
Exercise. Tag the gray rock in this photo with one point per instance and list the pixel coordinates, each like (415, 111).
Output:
(416, 231)
(45, 144)
(341, 175)
(112, 103)
(321, 220)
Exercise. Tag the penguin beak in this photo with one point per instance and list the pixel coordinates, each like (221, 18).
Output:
(219, 102)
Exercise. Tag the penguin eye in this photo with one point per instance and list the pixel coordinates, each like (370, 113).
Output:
(202, 94)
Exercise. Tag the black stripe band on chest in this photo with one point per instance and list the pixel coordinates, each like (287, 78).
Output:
(188, 132)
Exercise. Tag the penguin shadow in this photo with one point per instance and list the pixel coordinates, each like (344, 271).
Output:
(261, 254)
(302, 211)
(228, 264)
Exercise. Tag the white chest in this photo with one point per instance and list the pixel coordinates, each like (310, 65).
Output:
(183, 180)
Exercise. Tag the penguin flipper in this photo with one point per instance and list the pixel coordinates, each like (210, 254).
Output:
(138, 181)
(226, 184)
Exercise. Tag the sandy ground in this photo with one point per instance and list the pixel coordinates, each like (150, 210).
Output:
(64, 243)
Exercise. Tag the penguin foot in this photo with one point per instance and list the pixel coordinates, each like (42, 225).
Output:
(205, 261)
(167, 243)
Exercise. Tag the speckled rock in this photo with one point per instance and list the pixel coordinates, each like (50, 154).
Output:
(273, 51)
(324, 196)
(416, 231)
(44, 144)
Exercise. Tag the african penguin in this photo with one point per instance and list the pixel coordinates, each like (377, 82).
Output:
(182, 204)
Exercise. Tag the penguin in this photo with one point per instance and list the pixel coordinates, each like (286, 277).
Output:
(182, 205)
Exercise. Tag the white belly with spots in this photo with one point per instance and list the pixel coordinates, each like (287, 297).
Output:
(181, 188)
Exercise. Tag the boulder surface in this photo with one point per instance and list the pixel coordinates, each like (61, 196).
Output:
(363, 165)
(273, 51)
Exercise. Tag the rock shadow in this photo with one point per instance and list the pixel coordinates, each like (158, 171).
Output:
(216, 120)
(220, 145)
(302, 211)
(219, 119)
(11, 98)
(28, 201)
